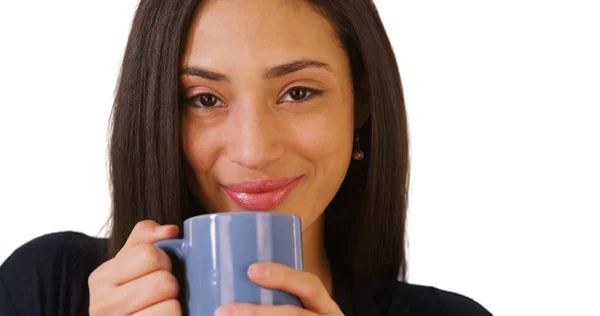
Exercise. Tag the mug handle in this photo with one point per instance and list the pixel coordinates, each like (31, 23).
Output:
(173, 245)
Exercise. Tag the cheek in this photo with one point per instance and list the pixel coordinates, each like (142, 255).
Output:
(323, 141)
(326, 139)
(199, 146)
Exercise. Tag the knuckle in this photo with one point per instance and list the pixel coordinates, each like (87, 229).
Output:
(148, 223)
(95, 278)
(144, 225)
(149, 255)
(165, 284)
(312, 287)
(96, 309)
(314, 280)
(310, 291)
(173, 307)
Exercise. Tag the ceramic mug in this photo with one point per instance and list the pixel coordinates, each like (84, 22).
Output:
(217, 249)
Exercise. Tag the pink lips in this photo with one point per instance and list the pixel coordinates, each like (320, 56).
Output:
(262, 194)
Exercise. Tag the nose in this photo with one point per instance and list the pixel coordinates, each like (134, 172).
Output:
(255, 138)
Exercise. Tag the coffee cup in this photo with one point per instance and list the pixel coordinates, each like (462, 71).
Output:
(217, 249)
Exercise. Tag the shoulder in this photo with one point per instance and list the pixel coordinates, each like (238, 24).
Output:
(399, 298)
(458, 304)
(35, 275)
(55, 249)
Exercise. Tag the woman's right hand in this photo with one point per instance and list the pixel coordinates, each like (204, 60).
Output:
(138, 280)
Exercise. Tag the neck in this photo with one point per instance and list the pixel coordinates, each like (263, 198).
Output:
(314, 255)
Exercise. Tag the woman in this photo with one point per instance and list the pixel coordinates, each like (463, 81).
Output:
(298, 97)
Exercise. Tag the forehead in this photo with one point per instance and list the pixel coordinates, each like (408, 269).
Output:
(263, 32)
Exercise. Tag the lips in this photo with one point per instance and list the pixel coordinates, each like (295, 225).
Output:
(263, 194)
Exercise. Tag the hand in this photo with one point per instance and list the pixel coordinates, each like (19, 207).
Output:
(304, 285)
(138, 280)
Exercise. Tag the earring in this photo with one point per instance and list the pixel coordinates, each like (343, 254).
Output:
(357, 154)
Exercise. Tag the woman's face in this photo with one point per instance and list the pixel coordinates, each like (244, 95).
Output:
(268, 118)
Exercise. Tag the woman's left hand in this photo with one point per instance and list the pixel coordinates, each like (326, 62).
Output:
(307, 287)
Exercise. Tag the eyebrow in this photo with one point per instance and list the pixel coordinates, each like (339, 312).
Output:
(273, 72)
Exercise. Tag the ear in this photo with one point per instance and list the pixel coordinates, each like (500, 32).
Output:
(362, 106)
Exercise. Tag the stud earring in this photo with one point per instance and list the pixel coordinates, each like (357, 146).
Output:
(357, 154)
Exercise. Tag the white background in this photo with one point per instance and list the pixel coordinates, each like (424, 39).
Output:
(503, 100)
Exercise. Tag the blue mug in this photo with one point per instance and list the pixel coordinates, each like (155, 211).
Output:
(217, 250)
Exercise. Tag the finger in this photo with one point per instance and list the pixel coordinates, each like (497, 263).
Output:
(130, 264)
(149, 232)
(244, 309)
(155, 287)
(309, 288)
(169, 307)
(139, 261)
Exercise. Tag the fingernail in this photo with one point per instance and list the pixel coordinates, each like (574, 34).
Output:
(257, 271)
(225, 311)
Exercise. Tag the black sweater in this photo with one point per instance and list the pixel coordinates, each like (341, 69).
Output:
(48, 276)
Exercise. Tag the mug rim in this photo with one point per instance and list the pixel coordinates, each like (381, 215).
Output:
(212, 216)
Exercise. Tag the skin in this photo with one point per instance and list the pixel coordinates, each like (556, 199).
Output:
(253, 128)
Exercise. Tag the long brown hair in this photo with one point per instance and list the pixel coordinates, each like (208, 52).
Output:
(364, 223)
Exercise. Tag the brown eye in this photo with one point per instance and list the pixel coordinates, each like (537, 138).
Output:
(207, 100)
(298, 93)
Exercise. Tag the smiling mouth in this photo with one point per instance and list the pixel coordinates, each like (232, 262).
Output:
(263, 194)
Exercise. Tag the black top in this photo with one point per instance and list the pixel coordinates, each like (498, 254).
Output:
(48, 276)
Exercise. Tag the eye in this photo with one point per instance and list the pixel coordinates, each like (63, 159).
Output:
(204, 100)
(300, 94)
